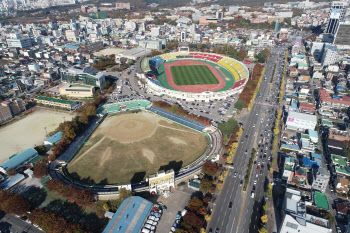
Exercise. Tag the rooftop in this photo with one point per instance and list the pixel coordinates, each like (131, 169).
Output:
(55, 100)
(130, 216)
(338, 159)
(321, 200)
(19, 158)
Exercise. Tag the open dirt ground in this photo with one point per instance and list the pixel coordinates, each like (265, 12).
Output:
(28, 132)
(131, 146)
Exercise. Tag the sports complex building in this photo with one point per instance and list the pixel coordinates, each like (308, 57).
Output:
(195, 76)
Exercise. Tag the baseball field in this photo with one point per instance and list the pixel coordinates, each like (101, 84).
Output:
(132, 146)
(192, 75)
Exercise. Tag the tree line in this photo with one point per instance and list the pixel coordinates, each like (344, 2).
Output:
(179, 111)
(248, 90)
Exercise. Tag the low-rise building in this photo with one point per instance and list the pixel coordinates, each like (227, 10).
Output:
(301, 121)
(67, 104)
(161, 181)
(321, 179)
(87, 76)
(77, 91)
(20, 159)
(342, 185)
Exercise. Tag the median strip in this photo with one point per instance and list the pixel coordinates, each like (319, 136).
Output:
(249, 169)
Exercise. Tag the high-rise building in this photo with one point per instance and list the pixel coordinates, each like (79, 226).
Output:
(335, 16)
(277, 26)
(342, 37)
(330, 55)
(219, 15)
(183, 36)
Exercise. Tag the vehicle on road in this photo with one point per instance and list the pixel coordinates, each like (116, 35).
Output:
(235, 174)
(241, 183)
(230, 205)
(252, 195)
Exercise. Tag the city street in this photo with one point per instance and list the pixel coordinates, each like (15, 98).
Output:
(259, 122)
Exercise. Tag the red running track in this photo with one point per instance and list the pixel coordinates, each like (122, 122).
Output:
(194, 88)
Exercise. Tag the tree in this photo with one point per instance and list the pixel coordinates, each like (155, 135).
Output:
(210, 168)
(264, 218)
(212, 190)
(124, 193)
(266, 207)
(330, 218)
(240, 104)
(194, 204)
(11, 171)
(13, 203)
(207, 217)
(205, 184)
(40, 170)
(40, 149)
(262, 230)
(91, 111)
(273, 162)
(271, 170)
(193, 220)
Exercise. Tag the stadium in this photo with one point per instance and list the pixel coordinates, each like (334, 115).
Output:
(195, 76)
(133, 140)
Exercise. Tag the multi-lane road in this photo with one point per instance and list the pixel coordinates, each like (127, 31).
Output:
(243, 216)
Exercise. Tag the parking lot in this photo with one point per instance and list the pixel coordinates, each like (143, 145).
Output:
(176, 202)
(129, 87)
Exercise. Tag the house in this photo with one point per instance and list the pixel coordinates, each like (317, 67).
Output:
(342, 185)
(338, 160)
(343, 208)
(293, 72)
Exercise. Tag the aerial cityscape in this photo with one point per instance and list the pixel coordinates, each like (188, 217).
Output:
(182, 116)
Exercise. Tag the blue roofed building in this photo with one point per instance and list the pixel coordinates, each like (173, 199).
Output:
(54, 139)
(309, 164)
(130, 216)
(21, 158)
(316, 158)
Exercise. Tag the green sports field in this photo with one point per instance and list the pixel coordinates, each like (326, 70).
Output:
(193, 75)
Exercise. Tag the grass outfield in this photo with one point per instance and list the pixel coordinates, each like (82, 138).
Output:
(132, 146)
(193, 75)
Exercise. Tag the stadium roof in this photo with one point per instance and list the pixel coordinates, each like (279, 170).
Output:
(19, 158)
(130, 216)
(54, 138)
(55, 100)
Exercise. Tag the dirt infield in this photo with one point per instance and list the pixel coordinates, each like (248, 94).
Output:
(131, 146)
(29, 131)
(194, 88)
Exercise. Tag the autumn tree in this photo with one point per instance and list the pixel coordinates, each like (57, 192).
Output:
(205, 184)
(266, 207)
(40, 170)
(262, 230)
(194, 204)
(264, 218)
(13, 203)
(210, 168)
(193, 220)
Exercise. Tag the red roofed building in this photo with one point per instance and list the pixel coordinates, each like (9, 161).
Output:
(307, 108)
(328, 104)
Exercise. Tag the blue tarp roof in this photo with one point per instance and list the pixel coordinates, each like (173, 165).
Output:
(130, 216)
(316, 156)
(294, 105)
(54, 138)
(19, 158)
(308, 163)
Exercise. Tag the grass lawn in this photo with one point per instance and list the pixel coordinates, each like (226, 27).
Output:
(193, 75)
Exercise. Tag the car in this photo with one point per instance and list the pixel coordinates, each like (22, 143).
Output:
(257, 175)
(217, 230)
(235, 174)
(261, 172)
(230, 205)
(241, 183)
(210, 230)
